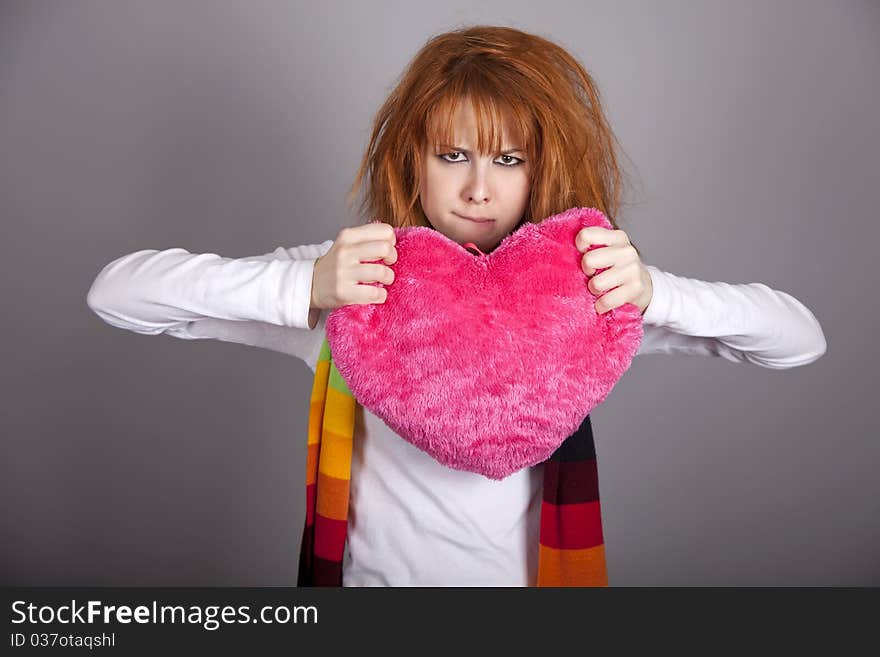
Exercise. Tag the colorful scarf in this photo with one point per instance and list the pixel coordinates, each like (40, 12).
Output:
(571, 550)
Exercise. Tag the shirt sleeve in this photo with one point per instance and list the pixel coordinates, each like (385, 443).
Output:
(262, 300)
(748, 322)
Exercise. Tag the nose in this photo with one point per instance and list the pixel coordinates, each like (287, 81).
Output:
(476, 188)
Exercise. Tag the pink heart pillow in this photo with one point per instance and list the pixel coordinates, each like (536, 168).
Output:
(486, 362)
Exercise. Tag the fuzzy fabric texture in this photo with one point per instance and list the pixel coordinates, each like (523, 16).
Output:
(486, 362)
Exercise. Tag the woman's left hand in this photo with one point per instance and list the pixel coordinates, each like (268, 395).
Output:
(624, 278)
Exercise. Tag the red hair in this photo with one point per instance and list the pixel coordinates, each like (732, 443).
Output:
(548, 97)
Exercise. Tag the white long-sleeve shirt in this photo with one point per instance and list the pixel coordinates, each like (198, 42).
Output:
(413, 521)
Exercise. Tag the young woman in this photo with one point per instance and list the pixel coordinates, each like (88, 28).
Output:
(488, 128)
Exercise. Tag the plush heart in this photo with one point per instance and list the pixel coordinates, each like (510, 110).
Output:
(486, 362)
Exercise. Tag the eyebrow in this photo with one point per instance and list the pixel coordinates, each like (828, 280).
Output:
(467, 152)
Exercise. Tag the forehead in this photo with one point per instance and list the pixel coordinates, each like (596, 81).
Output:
(464, 127)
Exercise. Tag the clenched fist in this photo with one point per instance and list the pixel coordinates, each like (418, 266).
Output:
(623, 279)
(342, 276)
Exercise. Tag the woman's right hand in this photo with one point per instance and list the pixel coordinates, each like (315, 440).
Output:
(339, 273)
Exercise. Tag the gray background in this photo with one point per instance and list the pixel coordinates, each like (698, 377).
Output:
(234, 128)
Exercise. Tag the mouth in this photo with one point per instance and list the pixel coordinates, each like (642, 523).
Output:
(476, 220)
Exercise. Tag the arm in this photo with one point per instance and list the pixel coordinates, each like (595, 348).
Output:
(748, 322)
(262, 301)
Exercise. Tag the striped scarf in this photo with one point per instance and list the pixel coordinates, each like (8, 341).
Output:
(571, 550)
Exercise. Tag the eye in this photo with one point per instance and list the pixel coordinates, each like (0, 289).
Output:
(516, 161)
(443, 156)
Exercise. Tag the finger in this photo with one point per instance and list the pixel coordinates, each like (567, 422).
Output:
(612, 277)
(596, 259)
(375, 273)
(376, 251)
(378, 230)
(365, 293)
(615, 298)
(598, 236)
(602, 283)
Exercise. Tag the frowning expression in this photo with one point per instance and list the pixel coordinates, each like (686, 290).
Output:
(470, 196)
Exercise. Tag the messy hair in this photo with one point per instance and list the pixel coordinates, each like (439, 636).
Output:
(546, 94)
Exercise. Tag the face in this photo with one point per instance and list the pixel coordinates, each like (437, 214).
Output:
(474, 197)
